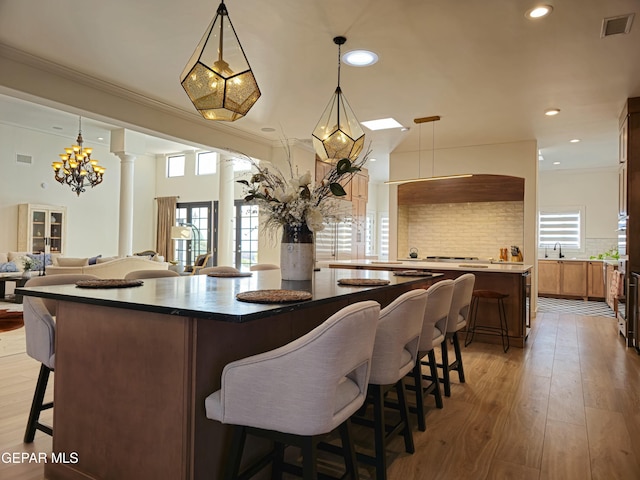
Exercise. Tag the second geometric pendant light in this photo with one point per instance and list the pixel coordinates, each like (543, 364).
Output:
(338, 134)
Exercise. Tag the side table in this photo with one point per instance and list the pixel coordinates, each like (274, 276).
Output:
(18, 280)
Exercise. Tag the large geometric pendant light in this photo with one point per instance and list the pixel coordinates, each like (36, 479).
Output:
(218, 78)
(338, 134)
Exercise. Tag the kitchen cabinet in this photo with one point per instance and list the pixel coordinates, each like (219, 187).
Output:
(595, 280)
(357, 194)
(548, 277)
(566, 278)
(323, 169)
(41, 228)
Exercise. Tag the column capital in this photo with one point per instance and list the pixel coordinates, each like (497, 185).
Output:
(125, 157)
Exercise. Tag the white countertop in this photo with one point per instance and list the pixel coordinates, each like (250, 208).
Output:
(422, 265)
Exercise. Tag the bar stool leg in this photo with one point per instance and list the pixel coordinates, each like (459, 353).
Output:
(473, 316)
(504, 329)
(458, 363)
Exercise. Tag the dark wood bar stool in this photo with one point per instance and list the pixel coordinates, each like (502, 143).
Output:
(474, 327)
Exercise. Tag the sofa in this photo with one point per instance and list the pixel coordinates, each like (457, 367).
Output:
(107, 268)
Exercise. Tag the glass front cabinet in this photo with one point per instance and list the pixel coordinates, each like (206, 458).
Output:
(41, 228)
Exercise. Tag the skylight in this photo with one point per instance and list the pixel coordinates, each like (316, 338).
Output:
(382, 124)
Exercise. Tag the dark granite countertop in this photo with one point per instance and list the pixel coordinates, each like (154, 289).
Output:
(215, 298)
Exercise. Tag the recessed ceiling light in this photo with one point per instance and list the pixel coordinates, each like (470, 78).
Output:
(373, 159)
(550, 112)
(268, 129)
(360, 58)
(382, 124)
(539, 11)
(100, 138)
(556, 163)
(574, 140)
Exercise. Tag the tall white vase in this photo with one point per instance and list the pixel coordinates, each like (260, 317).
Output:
(296, 253)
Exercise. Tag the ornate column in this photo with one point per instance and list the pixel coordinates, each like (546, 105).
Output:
(125, 231)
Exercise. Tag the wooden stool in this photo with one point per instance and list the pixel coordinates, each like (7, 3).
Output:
(502, 330)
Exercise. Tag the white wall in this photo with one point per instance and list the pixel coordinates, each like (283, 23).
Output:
(597, 191)
(92, 218)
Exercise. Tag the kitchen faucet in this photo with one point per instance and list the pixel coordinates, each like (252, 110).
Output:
(559, 245)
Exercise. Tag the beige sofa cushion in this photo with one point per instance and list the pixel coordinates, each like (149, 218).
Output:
(72, 262)
(17, 258)
(117, 268)
(105, 259)
(4, 258)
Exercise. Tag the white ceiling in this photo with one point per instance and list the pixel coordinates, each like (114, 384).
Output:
(488, 71)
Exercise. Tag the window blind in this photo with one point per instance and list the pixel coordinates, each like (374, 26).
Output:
(562, 227)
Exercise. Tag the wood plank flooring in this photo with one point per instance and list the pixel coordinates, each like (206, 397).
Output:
(565, 407)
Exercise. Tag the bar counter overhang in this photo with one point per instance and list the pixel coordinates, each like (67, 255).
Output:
(134, 365)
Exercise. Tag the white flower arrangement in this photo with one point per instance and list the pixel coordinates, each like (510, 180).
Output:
(296, 201)
(28, 264)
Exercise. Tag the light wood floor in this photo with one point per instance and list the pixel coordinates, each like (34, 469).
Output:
(565, 407)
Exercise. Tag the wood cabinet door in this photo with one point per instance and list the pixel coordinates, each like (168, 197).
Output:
(360, 185)
(573, 279)
(549, 277)
(596, 280)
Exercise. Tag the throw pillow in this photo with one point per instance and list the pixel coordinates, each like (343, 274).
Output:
(8, 267)
(72, 262)
(94, 260)
(37, 260)
(18, 259)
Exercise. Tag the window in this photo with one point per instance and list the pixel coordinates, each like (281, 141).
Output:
(206, 163)
(561, 225)
(384, 235)
(198, 217)
(175, 166)
(245, 234)
(370, 234)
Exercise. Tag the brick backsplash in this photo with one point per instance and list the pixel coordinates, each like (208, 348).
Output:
(460, 229)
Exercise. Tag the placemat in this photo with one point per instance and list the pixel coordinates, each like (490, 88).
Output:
(362, 282)
(413, 273)
(109, 283)
(274, 296)
(229, 274)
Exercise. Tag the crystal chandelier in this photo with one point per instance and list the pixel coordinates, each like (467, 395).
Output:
(217, 77)
(338, 133)
(77, 169)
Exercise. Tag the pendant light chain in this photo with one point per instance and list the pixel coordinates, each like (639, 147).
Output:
(339, 90)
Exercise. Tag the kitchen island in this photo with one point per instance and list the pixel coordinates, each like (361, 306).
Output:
(134, 365)
(513, 279)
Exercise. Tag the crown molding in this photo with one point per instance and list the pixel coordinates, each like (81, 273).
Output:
(38, 63)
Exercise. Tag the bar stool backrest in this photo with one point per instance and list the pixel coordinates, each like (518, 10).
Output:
(436, 314)
(462, 292)
(398, 337)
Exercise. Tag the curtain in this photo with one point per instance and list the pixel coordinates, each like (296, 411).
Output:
(166, 220)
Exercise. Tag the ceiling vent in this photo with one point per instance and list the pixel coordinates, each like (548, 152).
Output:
(25, 159)
(617, 25)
